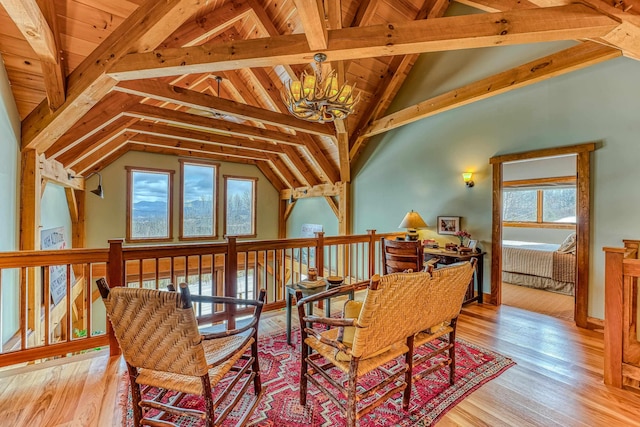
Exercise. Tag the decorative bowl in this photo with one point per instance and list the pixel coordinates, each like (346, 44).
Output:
(335, 280)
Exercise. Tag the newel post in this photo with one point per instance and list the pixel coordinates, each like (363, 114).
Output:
(613, 316)
(320, 253)
(372, 252)
(115, 277)
(231, 279)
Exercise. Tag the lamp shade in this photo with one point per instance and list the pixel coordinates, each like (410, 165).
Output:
(413, 220)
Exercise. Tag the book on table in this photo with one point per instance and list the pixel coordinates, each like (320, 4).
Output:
(310, 284)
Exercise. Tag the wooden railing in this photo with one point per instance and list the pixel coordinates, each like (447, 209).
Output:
(621, 339)
(233, 268)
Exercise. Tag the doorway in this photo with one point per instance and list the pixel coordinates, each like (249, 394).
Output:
(581, 153)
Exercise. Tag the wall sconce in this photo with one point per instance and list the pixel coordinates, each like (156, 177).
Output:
(98, 191)
(467, 179)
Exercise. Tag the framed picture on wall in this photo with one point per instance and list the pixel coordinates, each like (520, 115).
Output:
(448, 224)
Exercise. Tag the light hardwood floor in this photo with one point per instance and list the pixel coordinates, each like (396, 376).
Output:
(557, 379)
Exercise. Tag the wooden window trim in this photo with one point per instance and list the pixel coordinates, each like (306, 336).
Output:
(254, 224)
(216, 168)
(130, 170)
(549, 182)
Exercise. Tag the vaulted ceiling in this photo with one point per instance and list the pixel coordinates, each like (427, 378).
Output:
(94, 79)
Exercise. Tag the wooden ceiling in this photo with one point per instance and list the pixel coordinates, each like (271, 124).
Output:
(93, 79)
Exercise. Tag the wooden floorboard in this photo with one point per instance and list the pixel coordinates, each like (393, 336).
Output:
(557, 380)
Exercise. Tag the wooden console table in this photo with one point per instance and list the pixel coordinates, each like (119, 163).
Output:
(450, 257)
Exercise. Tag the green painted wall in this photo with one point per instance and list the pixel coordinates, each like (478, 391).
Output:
(54, 211)
(314, 210)
(9, 179)
(418, 166)
(106, 218)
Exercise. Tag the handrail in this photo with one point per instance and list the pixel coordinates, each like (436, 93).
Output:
(621, 340)
(230, 268)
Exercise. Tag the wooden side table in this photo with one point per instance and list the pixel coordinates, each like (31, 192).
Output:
(290, 293)
(450, 257)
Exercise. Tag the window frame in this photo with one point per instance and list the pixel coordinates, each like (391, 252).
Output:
(216, 167)
(130, 171)
(254, 215)
(535, 184)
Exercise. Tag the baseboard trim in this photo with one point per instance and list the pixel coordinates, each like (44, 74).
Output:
(595, 323)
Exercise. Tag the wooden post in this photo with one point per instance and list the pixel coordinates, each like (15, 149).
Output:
(115, 276)
(231, 279)
(282, 219)
(30, 194)
(320, 252)
(613, 313)
(344, 225)
(583, 202)
(496, 244)
(372, 252)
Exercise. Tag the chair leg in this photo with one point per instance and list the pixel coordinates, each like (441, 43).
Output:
(257, 382)
(303, 374)
(135, 396)
(452, 352)
(351, 393)
(408, 375)
(208, 401)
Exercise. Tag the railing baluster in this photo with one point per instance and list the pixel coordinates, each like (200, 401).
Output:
(70, 301)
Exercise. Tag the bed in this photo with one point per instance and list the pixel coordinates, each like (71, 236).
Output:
(538, 265)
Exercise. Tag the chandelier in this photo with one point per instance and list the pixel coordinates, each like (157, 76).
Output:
(319, 99)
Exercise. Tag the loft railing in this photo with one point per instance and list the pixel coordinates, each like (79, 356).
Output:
(50, 324)
(621, 315)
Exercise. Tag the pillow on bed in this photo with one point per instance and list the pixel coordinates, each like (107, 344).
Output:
(569, 244)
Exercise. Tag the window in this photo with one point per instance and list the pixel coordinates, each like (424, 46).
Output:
(149, 204)
(240, 206)
(198, 200)
(540, 203)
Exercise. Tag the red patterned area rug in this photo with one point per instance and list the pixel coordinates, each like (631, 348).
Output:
(431, 397)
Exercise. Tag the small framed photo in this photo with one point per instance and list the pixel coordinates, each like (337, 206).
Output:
(448, 224)
(473, 244)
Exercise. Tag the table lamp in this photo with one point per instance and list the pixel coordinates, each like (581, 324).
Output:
(412, 221)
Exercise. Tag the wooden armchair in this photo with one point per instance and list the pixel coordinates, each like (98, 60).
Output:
(162, 346)
(399, 255)
(390, 322)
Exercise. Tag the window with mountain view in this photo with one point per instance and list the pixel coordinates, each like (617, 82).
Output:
(240, 206)
(198, 200)
(149, 204)
(553, 205)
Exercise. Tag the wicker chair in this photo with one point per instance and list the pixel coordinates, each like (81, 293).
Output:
(390, 322)
(162, 346)
(401, 255)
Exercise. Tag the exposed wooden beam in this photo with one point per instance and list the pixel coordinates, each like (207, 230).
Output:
(101, 115)
(162, 141)
(391, 83)
(273, 177)
(304, 170)
(39, 28)
(498, 5)
(191, 154)
(284, 171)
(96, 151)
(320, 190)
(333, 205)
(80, 150)
(189, 98)
(571, 22)
(204, 27)
(204, 137)
(98, 158)
(144, 30)
(312, 17)
(54, 171)
(343, 151)
(565, 61)
(30, 184)
(364, 13)
(107, 160)
(195, 121)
